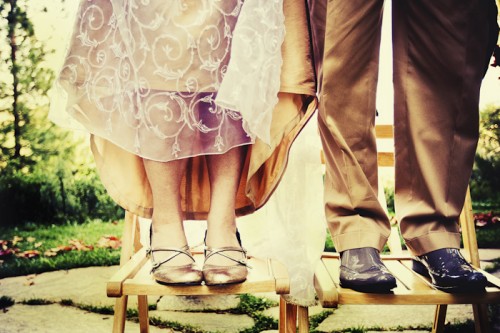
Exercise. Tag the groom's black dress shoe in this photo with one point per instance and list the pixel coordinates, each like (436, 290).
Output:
(362, 270)
(449, 271)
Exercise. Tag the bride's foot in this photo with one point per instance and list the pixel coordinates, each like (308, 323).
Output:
(225, 259)
(172, 263)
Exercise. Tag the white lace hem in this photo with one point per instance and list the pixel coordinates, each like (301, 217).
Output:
(252, 80)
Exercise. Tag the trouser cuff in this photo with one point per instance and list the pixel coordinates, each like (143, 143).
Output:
(354, 240)
(433, 241)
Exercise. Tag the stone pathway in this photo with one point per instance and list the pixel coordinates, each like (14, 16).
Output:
(86, 286)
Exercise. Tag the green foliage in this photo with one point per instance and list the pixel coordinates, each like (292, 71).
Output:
(23, 100)
(160, 323)
(463, 327)
(495, 266)
(6, 301)
(389, 197)
(485, 180)
(67, 302)
(44, 178)
(488, 237)
(37, 301)
(250, 303)
(262, 323)
(329, 246)
(46, 198)
(317, 319)
(102, 309)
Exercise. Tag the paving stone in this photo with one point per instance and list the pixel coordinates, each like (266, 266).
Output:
(197, 303)
(209, 322)
(81, 285)
(56, 318)
(389, 316)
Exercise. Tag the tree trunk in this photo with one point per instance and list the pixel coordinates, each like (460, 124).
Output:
(12, 20)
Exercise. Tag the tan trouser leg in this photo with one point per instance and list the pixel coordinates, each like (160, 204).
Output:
(440, 53)
(346, 121)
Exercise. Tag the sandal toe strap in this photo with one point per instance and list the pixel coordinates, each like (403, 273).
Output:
(177, 251)
(220, 251)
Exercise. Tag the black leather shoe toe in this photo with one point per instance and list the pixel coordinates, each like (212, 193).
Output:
(362, 270)
(449, 271)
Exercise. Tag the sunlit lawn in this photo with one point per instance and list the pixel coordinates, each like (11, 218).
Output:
(47, 248)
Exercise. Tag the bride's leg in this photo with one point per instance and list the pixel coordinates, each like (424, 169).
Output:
(224, 172)
(168, 229)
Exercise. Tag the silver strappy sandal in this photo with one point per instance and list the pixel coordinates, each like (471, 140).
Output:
(188, 274)
(220, 275)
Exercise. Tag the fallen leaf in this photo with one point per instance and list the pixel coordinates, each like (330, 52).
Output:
(109, 241)
(29, 254)
(4, 253)
(31, 239)
(51, 252)
(16, 240)
(80, 246)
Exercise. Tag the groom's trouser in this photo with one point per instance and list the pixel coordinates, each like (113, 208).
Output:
(441, 51)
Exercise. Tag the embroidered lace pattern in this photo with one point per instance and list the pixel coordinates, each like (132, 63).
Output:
(144, 74)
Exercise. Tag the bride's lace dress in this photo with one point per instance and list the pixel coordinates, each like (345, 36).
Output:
(145, 75)
(169, 79)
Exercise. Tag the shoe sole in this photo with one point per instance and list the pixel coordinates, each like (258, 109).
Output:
(420, 268)
(381, 288)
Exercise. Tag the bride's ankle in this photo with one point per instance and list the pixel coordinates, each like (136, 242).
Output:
(221, 236)
(168, 235)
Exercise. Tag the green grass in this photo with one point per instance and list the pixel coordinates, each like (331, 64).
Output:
(55, 235)
(37, 301)
(6, 301)
(488, 237)
(317, 319)
(59, 235)
(495, 265)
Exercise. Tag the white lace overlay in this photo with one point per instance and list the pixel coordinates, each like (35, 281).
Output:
(291, 226)
(145, 75)
(252, 81)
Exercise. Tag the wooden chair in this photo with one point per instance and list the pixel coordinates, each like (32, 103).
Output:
(133, 278)
(411, 288)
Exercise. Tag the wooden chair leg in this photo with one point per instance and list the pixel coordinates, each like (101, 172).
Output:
(282, 317)
(288, 317)
(481, 322)
(120, 315)
(439, 318)
(143, 313)
(303, 319)
(291, 318)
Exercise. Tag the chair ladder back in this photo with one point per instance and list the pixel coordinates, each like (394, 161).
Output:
(130, 238)
(469, 231)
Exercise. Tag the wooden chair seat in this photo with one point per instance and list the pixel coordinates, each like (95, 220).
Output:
(134, 279)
